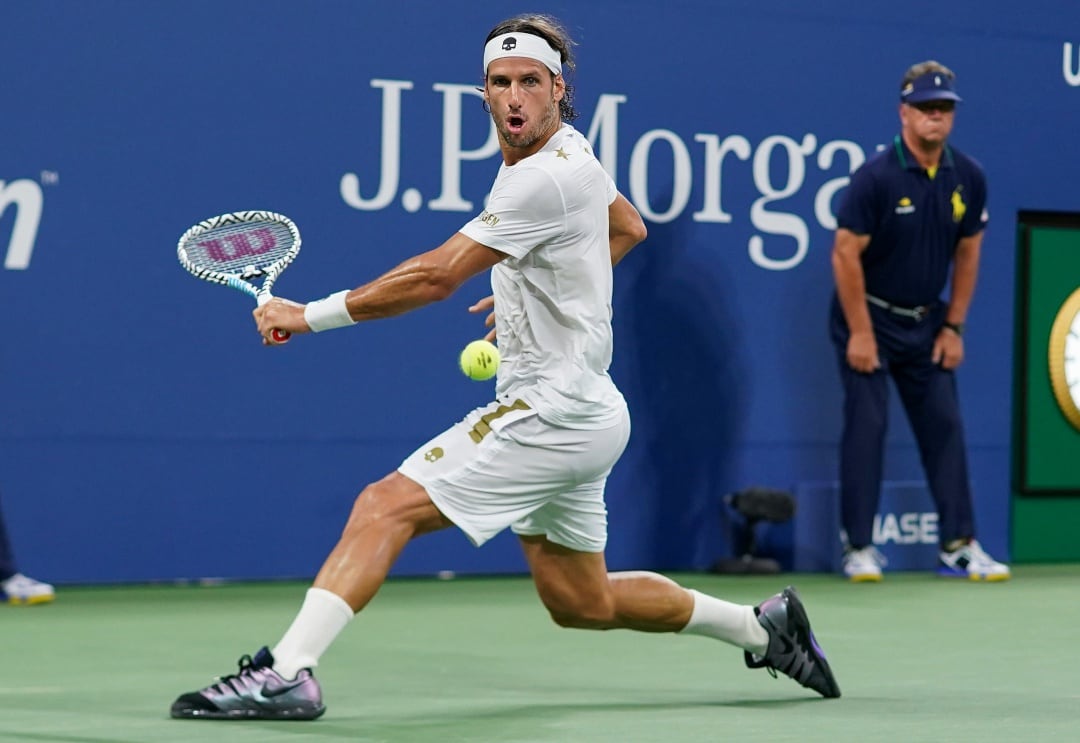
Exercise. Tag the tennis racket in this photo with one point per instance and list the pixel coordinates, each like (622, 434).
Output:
(237, 248)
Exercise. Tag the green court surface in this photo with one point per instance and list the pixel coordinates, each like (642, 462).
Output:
(918, 659)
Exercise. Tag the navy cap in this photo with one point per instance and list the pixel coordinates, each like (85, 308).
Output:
(930, 86)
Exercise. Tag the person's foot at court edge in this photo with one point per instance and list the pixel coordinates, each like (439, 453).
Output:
(22, 590)
(965, 558)
(255, 692)
(792, 649)
(863, 565)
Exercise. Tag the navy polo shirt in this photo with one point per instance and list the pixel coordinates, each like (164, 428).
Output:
(914, 221)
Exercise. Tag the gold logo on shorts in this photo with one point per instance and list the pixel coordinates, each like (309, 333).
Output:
(434, 455)
(483, 426)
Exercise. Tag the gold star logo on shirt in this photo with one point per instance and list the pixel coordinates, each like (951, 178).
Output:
(562, 153)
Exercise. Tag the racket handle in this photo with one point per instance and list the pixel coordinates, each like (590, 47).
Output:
(279, 336)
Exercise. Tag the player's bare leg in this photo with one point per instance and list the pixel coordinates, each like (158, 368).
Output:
(279, 684)
(385, 516)
(579, 592)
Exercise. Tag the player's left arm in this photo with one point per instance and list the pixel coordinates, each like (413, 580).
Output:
(625, 228)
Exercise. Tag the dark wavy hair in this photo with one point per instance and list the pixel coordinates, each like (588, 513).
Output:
(550, 30)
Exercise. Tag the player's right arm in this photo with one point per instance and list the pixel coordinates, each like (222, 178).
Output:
(419, 281)
(426, 278)
(847, 253)
(625, 228)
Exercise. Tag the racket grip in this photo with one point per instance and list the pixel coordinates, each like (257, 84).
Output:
(279, 336)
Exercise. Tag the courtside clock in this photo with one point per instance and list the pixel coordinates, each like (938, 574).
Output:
(1064, 357)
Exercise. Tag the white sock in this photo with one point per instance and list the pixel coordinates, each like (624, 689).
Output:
(722, 620)
(320, 620)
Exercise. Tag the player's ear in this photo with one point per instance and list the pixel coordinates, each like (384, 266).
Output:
(560, 88)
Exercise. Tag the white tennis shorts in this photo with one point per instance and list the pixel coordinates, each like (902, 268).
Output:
(503, 466)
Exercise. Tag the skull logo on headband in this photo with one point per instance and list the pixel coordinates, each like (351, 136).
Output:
(529, 46)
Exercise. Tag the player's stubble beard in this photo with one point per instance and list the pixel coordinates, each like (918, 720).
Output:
(525, 140)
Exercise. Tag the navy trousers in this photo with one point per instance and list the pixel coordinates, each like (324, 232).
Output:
(928, 395)
(7, 559)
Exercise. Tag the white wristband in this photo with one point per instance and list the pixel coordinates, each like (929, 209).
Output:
(328, 313)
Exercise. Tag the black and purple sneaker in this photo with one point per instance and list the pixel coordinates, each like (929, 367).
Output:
(792, 648)
(256, 692)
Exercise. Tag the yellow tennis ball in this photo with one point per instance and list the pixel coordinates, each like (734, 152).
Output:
(480, 360)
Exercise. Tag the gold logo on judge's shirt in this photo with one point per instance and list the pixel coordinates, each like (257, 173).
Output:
(959, 208)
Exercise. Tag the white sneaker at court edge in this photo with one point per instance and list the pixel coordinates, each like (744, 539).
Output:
(19, 589)
(862, 566)
(972, 562)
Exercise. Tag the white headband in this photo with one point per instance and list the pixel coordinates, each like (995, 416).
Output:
(518, 44)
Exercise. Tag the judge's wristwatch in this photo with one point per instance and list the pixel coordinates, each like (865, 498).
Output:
(956, 327)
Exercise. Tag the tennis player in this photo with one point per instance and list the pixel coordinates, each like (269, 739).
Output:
(537, 458)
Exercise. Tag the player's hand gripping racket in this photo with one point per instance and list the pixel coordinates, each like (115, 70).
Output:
(234, 249)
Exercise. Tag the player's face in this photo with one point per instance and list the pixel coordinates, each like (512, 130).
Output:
(929, 123)
(524, 101)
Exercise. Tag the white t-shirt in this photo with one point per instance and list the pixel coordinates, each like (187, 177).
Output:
(549, 214)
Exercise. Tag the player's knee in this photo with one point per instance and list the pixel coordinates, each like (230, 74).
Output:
(374, 504)
(583, 614)
(394, 504)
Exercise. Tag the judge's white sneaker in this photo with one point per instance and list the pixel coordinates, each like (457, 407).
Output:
(972, 562)
(863, 566)
(19, 589)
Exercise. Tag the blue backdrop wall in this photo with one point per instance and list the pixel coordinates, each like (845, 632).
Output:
(146, 434)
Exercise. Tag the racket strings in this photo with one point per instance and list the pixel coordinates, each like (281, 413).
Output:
(246, 249)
